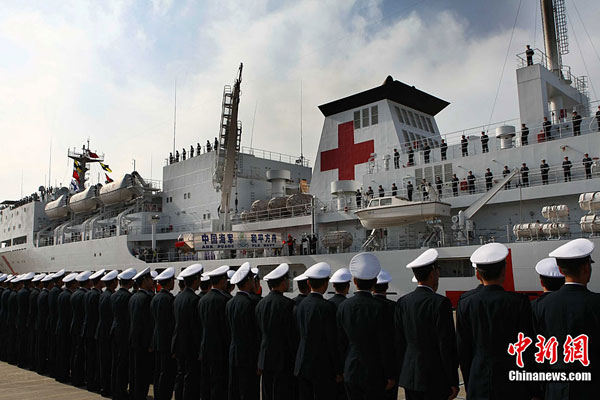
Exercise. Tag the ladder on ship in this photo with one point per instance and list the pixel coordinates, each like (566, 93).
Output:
(221, 150)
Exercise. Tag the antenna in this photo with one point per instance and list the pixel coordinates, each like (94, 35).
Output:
(50, 164)
(301, 152)
(253, 120)
(175, 117)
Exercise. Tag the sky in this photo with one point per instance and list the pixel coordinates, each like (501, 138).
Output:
(78, 70)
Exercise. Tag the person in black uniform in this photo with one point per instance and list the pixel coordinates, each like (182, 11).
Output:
(396, 159)
(77, 342)
(394, 189)
(598, 117)
(411, 156)
(341, 284)
(13, 309)
(571, 311)
(32, 330)
(488, 321)
(102, 335)
(3, 285)
(4, 330)
(22, 319)
(576, 120)
(176, 155)
(244, 382)
(587, 165)
(119, 334)
(208, 146)
(41, 324)
(547, 129)
(489, 177)
(544, 169)
(198, 149)
(63, 329)
(505, 172)
(358, 196)
(551, 280)
(409, 190)
(525, 174)
(524, 135)
(205, 286)
(529, 54)
(381, 191)
(439, 185)
(363, 344)
(464, 145)
(566, 165)
(274, 315)
(454, 185)
(318, 365)
(91, 301)
(214, 346)
(303, 289)
(187, 335)
(484, 143)
(425, 336)
(22, 332)
(471, 182)
(191, 151)
(164, 324)
(141, 329)
(183, 154)
(443, 149)
(426, 153)
(53, 319)
(380, 294)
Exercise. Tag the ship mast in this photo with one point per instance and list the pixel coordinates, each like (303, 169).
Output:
(81, 159)
(555, 32)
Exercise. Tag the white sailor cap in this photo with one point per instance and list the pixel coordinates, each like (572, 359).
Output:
(548, 267)
(490, 253)
(342, 275)
(110, 275)
(153, 274)
(84, 276)
(301, 277)
(27, 277)
(320, 270)
(3, 277)
(193, 269)
(145, 271)
(38, 277)
(577, 248)
(383, 277)
(230, 274)
(414, 279)
(222, 270)
(97, 274)
(9, 277)
(168, 273)
(58, 274)
(48, 278)
(254, 271)
(365, 266)
(279, 272)
(205, 278)
(71, 277)
(179, 277)
(426, 258)
(240, 274)
(129, 273)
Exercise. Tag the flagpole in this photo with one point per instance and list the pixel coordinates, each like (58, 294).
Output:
(50, 165)
(175, 117)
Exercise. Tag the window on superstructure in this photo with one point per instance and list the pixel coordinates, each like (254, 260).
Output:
(185, 196)
(399, 114)
(405, 134)
(356, 119)
(189, 195)
(412, 119)
(365, 117)
(424, 123)
(419, 124)
(374, 115)
(405, 115)
(430, 125)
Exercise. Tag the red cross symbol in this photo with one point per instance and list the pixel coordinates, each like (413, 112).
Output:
(348, 154)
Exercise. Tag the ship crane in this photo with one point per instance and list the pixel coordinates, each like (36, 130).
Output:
(226, 159)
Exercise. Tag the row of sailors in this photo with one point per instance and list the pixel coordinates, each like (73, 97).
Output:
(215, 346)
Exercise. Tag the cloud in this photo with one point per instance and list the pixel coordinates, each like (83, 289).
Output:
(107, 71)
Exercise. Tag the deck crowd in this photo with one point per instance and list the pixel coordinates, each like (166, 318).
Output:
(79, 329)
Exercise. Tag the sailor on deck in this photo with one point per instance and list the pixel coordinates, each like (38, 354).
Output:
(244, 382)
(77, 341)
(22, 319)
(63, 329)
(214, 347)
(43, 309)
(318, 365)
(425, 336)
(102, 334)
(486, 322)
(53, 319)
(363, 345)
(164, 325)
(303, 288)
(91, 302)
(187, 335)
(32, 330)
(571, 314)
(341, 284)
(119, 333)
(278, 346)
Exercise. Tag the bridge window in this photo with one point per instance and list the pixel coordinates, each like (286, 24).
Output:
(356, 119)
(405, 134)
(412, 119)
(430, 125)
(417, 117)
(405, 115)
(399, 114)
(374, 115)
(424, 123)
(20, 240)
(365, 117)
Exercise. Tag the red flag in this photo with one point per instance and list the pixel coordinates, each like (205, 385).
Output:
(75, 175)
(93, 155)
(108, 180)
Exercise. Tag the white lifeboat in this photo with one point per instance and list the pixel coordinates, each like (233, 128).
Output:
(395, 211)
(121, 190)
(57, 208)
(86, 200)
